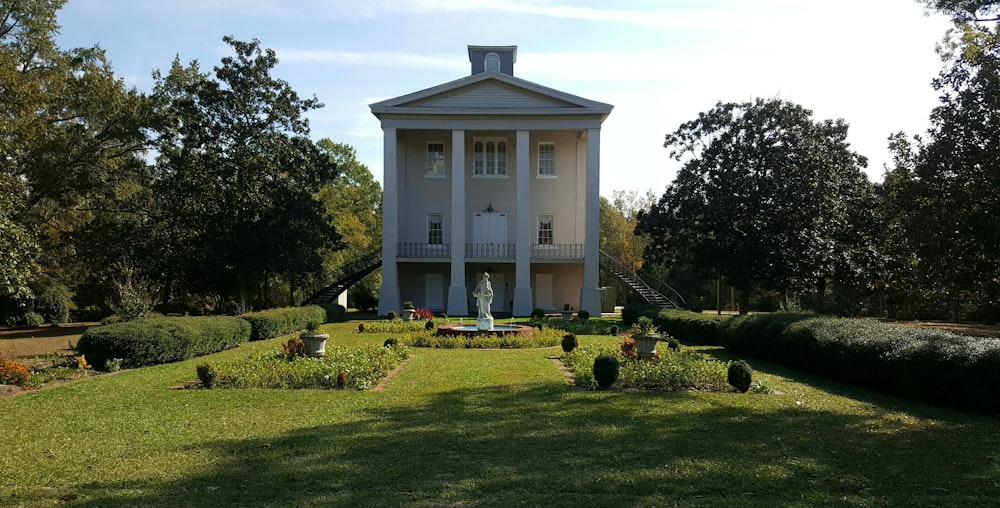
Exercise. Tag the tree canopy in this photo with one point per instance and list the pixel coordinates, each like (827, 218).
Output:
(766, 197)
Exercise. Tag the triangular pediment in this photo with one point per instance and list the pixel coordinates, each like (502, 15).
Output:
(490, 92)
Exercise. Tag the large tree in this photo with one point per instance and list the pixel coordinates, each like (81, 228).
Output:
(766, 198)
(236, 177)
(944, 186)
(70, 141)
(966, 11)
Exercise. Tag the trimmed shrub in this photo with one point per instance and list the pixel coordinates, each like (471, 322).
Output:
(673, 344)
(537, 314)
(570, 342)
(429, 326)
(740, 375)
(583, 314)
(207, 375)
(391, 342)
(156, 340)
(271, 323)
(391, 315)
(335, 313)
(689, 326)
(929, 365)
(33, 319)
(605, 371)
(613, 330)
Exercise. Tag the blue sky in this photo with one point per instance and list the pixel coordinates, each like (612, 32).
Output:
(659, 63)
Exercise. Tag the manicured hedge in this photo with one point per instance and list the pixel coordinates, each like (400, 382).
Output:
(161, 339)
(335, 313)
(682, 324)
(689, 326)
(929, 365)
(275, 322)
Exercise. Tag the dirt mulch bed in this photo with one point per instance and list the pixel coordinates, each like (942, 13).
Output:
(42, 341)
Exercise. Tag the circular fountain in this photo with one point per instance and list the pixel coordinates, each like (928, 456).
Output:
(473, 330)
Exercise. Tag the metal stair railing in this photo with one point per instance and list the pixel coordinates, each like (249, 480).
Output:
(652, 294)
(355, 271)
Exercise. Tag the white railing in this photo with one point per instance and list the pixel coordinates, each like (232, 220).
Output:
(489, 251)
(423, 250)
(558, 251)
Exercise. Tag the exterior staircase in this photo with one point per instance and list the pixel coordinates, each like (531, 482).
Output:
(651, 290)
(354, 273)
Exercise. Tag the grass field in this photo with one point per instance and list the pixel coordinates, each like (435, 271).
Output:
(486, 428)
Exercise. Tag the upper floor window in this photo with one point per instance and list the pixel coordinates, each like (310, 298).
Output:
(545, 231)
(435, 229)
(546, 159)
(435, 159)
(492, 62)
(489, 157)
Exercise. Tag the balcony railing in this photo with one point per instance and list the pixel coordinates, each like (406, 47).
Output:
(554, 252)
(489, 251)
(423, 250)
(558, 251)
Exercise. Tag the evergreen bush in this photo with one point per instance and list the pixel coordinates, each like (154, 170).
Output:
(605, 371)
(570, 342)
(207, 375)
(740, 375)
(155, 340)
(271, 323)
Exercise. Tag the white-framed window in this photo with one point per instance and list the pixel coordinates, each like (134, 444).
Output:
(435, 229)
(489, 157)
(547, 159)
(546, 234)
(435, 159)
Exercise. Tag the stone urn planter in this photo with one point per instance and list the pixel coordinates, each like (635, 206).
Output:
(407, 313)
(567, 313)
(315, 343)
(645, 335)
(645, 344)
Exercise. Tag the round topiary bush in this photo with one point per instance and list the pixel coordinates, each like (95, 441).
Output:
(673, 344)
(391, 342)
(570, 342)
(583, 315)
(613, 330)
(429, 325)
(740, 375)
(537, 314)
(392, 315)
(605, 371)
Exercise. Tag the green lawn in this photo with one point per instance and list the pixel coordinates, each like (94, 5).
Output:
(486, 428)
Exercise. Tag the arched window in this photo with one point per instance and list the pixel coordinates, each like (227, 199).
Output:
(492, 62)
(477, 158)
(489, 157)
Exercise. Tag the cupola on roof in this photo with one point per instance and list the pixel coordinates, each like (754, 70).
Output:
(493, 59)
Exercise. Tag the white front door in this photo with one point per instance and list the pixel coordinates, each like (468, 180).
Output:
(434, 290)
(543, 291)
(489, 228)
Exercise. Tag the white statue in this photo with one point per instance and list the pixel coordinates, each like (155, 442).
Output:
(484, 298)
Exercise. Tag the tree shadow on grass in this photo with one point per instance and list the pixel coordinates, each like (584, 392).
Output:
(546, 445)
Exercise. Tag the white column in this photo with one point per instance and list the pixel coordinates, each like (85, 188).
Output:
(523, 303)
(388, 295)
(457, 293)
(590, 295)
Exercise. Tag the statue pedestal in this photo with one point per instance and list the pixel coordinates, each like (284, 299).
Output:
(484, 324)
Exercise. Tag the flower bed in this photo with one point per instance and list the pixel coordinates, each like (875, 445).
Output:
(670, 371)
(538, 339)
(363, 368)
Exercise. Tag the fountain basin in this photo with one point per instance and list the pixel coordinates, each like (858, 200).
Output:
(471, 330)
